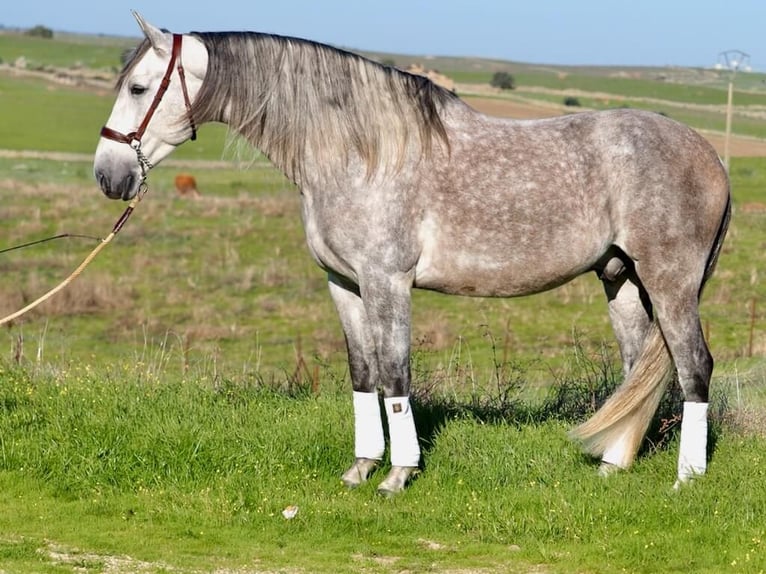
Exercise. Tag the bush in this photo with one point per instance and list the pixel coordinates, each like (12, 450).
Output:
(40, 32)
(571, 101)
(503, 80)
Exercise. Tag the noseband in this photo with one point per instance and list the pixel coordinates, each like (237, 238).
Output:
(133, 139)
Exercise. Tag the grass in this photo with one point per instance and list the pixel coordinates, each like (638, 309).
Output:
(64, 51)
(641, 87)
(193, 475)
(26, 128)
(36, 122)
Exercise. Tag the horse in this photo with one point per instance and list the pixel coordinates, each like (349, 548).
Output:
(403, 185)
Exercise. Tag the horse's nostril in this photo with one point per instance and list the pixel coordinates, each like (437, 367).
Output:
(103, 182)
(127, 187)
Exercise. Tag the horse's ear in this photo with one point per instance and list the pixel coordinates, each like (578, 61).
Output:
(159, 40)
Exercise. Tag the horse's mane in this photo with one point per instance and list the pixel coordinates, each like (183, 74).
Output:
(296, 99)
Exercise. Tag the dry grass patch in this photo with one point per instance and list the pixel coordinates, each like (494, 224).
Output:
(433, 332)
(96, 293)
(747, 420)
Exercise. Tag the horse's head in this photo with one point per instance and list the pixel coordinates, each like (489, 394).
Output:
(151, 115)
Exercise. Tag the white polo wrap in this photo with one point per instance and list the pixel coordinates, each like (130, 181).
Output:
(405, 450)
(369, 441)
(692, 456)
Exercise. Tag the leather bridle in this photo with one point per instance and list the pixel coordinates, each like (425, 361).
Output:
(133, 139)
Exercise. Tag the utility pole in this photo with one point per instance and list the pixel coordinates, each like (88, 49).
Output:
(732, 60)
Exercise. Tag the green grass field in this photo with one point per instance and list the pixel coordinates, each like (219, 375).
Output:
(65, 51)
(160, 413)
(191, 475)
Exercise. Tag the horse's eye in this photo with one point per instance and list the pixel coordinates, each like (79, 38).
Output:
(137, 90)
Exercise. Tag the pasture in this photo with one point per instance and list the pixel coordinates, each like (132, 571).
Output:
(162, 412)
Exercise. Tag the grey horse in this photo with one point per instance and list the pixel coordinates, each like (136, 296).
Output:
(405, 186)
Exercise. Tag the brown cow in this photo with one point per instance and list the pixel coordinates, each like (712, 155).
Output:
(186, 186)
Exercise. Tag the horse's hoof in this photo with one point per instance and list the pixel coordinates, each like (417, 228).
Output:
(358, 472)
(608, 469)
(396, 480)
(684, 482)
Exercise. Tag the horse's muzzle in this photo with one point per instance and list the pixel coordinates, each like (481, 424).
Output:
(124, 188)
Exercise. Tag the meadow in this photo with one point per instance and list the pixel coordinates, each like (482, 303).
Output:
(160, 413)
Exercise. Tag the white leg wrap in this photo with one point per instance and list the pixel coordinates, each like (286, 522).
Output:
(692, 456)
(617, 454)
(369, 441)
(405, 450)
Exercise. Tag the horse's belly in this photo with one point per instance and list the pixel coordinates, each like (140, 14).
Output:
(501, 252)
(482, 277)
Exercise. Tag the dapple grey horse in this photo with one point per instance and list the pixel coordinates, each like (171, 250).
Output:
(404, 185)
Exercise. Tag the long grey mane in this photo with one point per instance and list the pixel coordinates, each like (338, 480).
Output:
(296, 99)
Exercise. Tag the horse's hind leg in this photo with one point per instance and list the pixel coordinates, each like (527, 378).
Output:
(630, 312)
(675, 291)
(369, 442)
(678, 316)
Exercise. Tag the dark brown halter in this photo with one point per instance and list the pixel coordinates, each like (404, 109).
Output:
(133, 139)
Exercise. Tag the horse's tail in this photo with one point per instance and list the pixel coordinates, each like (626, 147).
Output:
(625, 416)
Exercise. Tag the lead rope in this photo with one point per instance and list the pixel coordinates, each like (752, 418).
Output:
(143, 187)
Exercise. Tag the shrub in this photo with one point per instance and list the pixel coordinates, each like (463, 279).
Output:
(503, 80)
(571, 101)
(40, 32)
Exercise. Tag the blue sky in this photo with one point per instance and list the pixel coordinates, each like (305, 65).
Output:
(592, 32)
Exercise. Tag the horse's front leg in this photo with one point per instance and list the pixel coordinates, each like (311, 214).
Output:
(387, 301)
(369, 442)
